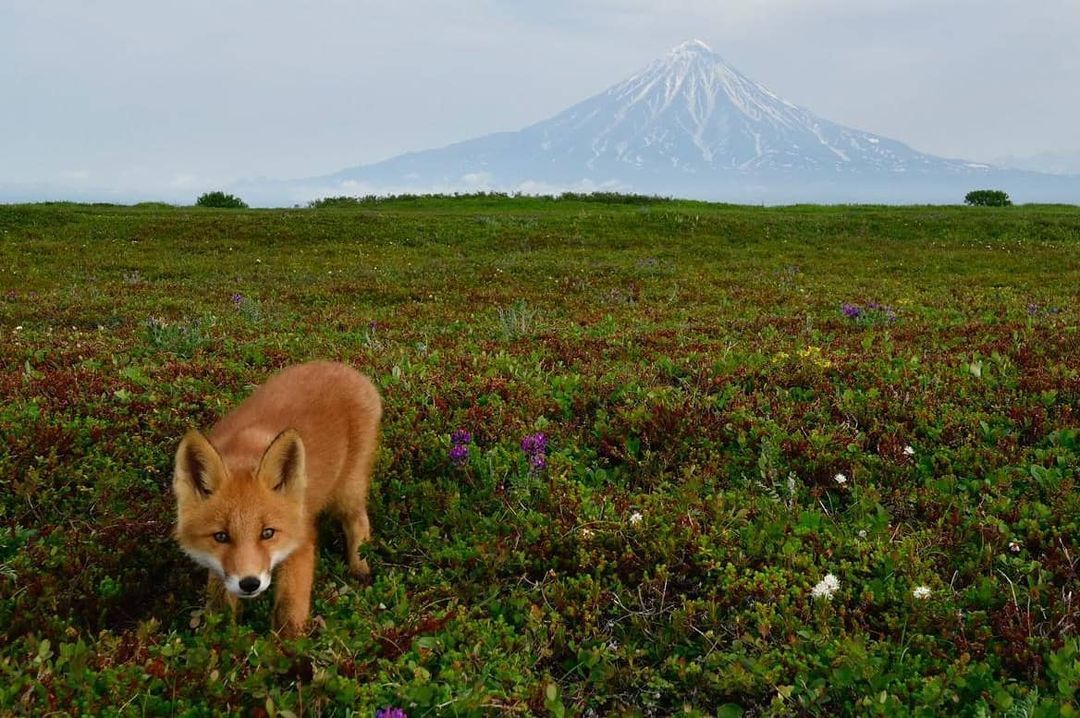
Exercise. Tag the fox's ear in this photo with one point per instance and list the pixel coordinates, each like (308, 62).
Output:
(199, 470)
(282, 466)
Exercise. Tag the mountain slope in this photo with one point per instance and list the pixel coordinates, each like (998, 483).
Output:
(694, 112)
(689, 124)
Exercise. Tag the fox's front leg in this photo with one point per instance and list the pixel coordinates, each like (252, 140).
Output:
(292, 598)
(218, 597)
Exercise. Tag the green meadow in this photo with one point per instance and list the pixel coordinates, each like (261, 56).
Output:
(796, 461)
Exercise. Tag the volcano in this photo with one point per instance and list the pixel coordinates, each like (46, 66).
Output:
(689, 125)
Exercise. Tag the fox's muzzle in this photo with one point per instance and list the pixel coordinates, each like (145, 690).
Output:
(248, 586)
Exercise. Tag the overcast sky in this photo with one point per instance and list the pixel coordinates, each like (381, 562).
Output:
(188, 95)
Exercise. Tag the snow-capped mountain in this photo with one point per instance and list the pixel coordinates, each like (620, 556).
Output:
(689, 124)
(693, 112)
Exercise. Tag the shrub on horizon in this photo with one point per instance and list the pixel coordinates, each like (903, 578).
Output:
(220, 200)
(987, 198)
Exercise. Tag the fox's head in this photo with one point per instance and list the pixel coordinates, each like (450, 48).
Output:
(240, 523)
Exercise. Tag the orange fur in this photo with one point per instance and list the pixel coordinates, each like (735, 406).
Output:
(302, 444)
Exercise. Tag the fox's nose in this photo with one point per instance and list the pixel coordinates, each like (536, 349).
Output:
(250, 584)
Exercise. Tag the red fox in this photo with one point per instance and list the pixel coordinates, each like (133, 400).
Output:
(248, 493)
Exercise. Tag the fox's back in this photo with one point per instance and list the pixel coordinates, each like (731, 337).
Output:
(333, 407)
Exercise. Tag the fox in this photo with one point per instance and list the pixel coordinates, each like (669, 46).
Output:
(249, 492)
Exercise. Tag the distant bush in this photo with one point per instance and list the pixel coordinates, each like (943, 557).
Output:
(599, 197)
(220, 200)
(987, 198)
(376, 199)
(325, 202)
(612, 198)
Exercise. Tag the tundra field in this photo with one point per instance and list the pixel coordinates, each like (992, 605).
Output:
(639, 457)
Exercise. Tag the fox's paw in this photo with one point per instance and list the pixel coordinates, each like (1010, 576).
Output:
(360, 570)
(290, 627)
(292, 630)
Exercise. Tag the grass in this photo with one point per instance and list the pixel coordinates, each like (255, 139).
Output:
(700, 384)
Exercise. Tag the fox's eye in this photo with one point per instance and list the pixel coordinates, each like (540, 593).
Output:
(267, 534)
(221, 537)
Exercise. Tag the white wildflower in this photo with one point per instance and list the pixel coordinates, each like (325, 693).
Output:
(636, 518)
(909, 451)
(922, 592)
(862, 533)
(1014, 546)
(840, 479)
(826, 587)
(586, 533)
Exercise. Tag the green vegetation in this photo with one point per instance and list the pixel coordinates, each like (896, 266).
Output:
(732, 404)
(987, 198)
(220, 200)
(400, 200)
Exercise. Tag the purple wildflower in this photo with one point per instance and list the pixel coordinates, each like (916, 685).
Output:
(391, 713)
(1033, 309)
(238, 298)
(535, 448)
(534, 444)
(871, 313)
(459, 453)
(460, 439)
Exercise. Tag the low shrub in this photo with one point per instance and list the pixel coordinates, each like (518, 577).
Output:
(220, 200)
(987, 198)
